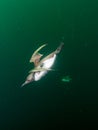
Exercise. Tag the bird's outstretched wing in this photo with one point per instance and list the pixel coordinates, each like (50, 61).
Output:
(36, 55)
(40, 69)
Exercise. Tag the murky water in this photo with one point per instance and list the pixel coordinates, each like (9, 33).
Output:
(48, 103)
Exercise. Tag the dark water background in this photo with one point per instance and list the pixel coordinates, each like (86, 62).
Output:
(49, 103)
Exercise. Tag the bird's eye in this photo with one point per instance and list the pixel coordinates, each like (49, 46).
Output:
(42, 65)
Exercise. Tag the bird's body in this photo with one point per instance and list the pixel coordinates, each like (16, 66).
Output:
(41, 66)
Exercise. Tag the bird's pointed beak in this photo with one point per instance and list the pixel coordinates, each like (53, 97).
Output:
(26, 82)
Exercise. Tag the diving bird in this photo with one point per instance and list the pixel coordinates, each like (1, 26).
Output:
(41, 66)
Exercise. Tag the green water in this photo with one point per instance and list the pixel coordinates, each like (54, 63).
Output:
(49, 103)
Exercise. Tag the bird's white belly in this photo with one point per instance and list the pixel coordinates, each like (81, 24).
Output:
(47, 64)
